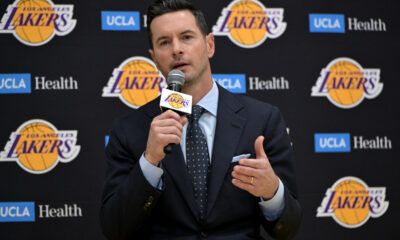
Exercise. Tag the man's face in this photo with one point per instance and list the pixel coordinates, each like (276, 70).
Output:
(179, 44)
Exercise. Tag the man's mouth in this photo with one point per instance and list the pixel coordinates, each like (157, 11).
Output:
(180, 65)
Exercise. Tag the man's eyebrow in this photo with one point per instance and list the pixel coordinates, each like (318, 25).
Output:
(161, 38)
(187, 31)
(182, 33)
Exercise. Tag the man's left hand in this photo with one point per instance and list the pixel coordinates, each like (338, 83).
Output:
(256, 176)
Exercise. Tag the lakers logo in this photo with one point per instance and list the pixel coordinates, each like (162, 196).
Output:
(345, 83)
(37, 146)
(36, 22)
(136, 82)
(351, 202)
(248, 23)
(176, 101)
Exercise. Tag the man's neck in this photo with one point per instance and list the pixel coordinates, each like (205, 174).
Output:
(199, 89)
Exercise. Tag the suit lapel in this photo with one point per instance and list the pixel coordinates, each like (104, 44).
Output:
(174, 164)
(227, 135)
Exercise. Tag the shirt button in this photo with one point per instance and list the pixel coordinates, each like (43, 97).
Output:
(203, 234)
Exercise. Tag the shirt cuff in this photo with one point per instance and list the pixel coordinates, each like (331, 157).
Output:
(272, 209)
(151, 173)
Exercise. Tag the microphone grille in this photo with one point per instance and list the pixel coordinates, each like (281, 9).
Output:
(176, 76)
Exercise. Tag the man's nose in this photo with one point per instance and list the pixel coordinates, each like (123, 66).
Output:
(177, 47)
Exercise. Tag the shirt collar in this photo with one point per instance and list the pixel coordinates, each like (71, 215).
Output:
(210, 101)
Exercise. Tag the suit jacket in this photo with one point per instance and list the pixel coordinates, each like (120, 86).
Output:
(133, 209)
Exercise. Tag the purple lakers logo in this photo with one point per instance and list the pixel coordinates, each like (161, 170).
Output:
(37, 146)
(248, 23)
(350, 202)
(345, 83)
(136, 82)
(36, 22)
(176, 101)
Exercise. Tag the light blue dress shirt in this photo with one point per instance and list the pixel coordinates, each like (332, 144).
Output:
(272, 209)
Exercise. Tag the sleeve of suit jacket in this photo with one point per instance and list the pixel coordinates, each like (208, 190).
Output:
(279, 152)
(128, 198)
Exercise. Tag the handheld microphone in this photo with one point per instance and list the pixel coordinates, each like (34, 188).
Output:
(172, 98)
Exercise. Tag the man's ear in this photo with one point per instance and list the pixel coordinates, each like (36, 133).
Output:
(210, 45)
(153, 57)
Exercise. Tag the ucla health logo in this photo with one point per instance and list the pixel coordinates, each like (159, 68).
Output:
(327, 23)
(346, 83)
(36, 22)
(17, 211)
(120, 21)
(136, 82)
(248, 23)
(235, 83)
(37, 146)
(332, 142)
(15, 83)
(350, 202)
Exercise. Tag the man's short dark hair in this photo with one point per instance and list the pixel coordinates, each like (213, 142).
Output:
(160, 7)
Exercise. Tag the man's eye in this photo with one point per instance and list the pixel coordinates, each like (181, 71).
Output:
(163, 43)
(186, 37)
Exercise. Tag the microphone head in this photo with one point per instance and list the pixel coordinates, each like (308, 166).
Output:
(176, 77)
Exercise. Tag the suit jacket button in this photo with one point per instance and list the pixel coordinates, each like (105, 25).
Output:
(203, 234)
(279, 226)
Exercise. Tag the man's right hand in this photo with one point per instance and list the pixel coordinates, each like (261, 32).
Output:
(164, 129)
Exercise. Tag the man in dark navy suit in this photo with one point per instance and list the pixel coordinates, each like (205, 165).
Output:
(230, 170)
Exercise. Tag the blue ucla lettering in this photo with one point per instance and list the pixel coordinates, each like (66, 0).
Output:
(14, 211)
(326, 23)
(332, 142)
(120, 21)
(12, 83)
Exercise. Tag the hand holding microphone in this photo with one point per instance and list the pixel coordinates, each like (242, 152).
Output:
(166, 129)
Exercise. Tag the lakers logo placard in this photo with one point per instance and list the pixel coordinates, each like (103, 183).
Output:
(136, 82)
(350, 202)
(248, 23)
(175, 100)
(345, 83)
(36, 22)
(37, 146)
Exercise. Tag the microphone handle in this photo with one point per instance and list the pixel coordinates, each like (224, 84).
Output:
(177, 88)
